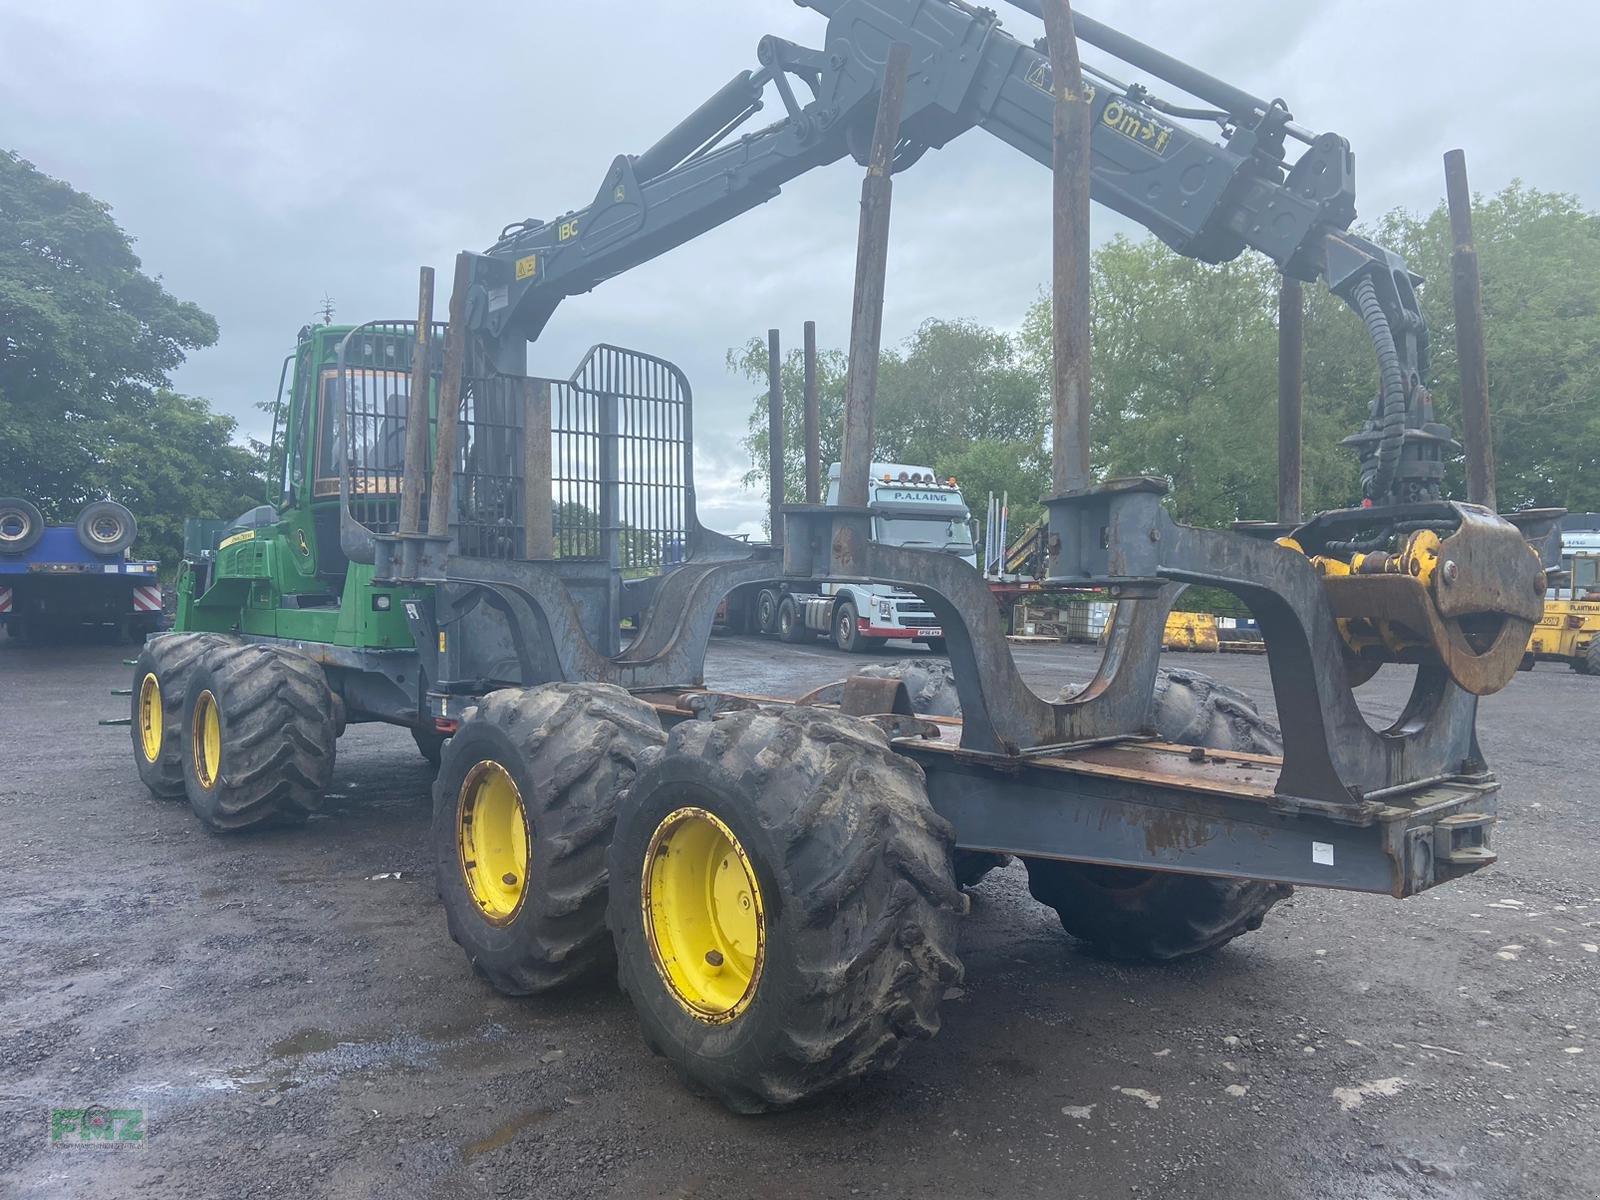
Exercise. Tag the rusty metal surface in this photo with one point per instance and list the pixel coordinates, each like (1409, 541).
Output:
(416, 452)
(1472, 358)
(872, 260)
(444, 437)
(1291, 396)
(812, 420)
(774, 436)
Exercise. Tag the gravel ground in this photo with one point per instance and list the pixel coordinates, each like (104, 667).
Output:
(289, 1013)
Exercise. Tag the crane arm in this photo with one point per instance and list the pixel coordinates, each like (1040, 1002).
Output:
(1208, 197)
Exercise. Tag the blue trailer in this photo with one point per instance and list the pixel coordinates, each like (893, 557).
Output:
(73, 580)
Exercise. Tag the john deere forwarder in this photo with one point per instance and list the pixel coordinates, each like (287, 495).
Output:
(777, 881)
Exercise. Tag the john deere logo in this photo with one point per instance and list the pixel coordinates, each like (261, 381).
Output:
(301, 544)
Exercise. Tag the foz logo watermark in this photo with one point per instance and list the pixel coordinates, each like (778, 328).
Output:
(97, 1125)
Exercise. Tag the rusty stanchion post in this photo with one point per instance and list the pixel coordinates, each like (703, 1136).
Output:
(775, 471)
(872, 263)
(1069, 278)
(538, 516)
(813, 419)
(444, 438)
(416, 461)
(1477, 435)
(1291, 398)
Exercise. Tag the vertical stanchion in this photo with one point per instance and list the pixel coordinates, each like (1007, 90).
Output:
(1291, 398)
(813, 420)
(1477, 436)
(775, 437)
(872, 262)
(538, 514)
(1069, 277)
(416, 461)
(444, 438)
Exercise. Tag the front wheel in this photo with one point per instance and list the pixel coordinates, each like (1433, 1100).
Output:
(160, 684)
(791, 624)
(782, 904)
(1591, 656)
(261, 727)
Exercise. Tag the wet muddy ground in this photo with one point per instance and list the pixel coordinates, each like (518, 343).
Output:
(291, 1018)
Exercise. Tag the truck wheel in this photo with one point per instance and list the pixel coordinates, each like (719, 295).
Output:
(846, 632)
(522, 813)
(21, 525)
(160, 684)
(1160, 916)
(791, 625)
(429, 744)
(782, 904)
(262, 729)
(1591, 656)
(105, 527)
(767, 612)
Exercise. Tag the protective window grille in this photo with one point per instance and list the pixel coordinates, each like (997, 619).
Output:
(370, 391)
(620, 452)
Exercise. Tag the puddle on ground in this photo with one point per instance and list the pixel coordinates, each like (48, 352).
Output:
(505, 1133)
(307, 1041)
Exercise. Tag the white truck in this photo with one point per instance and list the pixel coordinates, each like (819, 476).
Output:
(911, 506)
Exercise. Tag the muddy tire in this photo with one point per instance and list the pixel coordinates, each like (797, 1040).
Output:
(849, 940)
(1157, 916)
(261, 725)
(160, 685)
(528, 787)
(931, 687)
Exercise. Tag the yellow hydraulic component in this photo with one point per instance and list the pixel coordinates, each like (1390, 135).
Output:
(1466, 601)
(1191, 631)
(150, 717)
(703, 915)
(207, 740)
(492, 840)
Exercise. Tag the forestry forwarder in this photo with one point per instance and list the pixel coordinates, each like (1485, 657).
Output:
(778, 881)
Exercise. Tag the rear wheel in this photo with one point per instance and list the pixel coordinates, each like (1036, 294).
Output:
(767, 611)
(261, 727)
(782, 904)
(791, 624)
(160, 685)
(1133, 914)
(522, 813)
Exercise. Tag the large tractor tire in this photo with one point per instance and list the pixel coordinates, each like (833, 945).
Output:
(262, 725)
(1591, 657)
(782, 904)
(522, 814)
(160, 685)
(1158, 916)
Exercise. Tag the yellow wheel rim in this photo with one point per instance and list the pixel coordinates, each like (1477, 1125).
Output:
(207, 740)
(150, 718)
(703, 915)
(492, 838)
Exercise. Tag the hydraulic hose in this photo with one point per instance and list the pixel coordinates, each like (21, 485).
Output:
(1391, 393)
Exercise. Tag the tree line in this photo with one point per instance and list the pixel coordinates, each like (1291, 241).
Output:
(1185, 374)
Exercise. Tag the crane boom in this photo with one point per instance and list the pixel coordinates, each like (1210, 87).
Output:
(1209, 198)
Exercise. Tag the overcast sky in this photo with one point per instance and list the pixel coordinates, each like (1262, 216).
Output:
(263, 154)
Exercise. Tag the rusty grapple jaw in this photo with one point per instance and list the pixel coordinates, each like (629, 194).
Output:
(1453, 585)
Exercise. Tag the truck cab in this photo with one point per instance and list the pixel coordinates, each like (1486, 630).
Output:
(912, 507)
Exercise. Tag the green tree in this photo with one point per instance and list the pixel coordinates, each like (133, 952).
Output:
(172, 458)
(88, 343)
(750, 362)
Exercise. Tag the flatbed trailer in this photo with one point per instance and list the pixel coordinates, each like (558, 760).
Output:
(75, 580)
